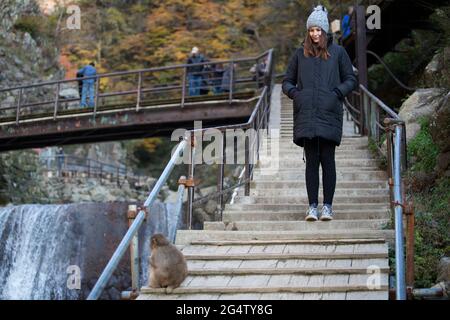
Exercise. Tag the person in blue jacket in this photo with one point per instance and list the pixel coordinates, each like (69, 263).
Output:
(347, 23)
(88, 84)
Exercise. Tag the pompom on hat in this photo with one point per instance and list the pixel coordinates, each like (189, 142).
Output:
(319, 18)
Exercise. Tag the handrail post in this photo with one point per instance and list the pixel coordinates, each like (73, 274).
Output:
(138, 102)
(389, 161)
(178, 208)
(183, 87)
(409, 212)
(230, 97)
(399, 251)
(220, 177)
(56, 101)
(134, 250)
(247, 168)
(257, 73)
(191, 178)
(97, 86)
(19, 101)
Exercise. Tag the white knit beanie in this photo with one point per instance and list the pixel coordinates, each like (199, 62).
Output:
(318, 18)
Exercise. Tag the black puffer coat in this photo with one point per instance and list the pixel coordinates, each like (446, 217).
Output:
(318, 88)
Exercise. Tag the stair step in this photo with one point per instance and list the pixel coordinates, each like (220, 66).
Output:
(340, 184)
(297, 225)
(277, 271)
(283, 200)
(311, 249)
(231, 216)
(297, 264)
(239, 207)
(282, 175)
(348, 295)
(340, 163)
(275, 283)
(287, 242)
(302, 192)
(186, 236)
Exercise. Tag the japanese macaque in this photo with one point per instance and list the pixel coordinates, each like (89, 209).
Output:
(168, 268)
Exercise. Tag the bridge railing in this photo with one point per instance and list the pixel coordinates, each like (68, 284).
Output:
(186, 148)
(221, 79)
(73, 166)
(382, 125)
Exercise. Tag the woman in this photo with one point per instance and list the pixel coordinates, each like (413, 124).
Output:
(318, 77)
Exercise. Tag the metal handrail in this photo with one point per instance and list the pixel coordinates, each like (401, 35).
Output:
(122, 73)
(92, 167)
(369, 108)
(23, 108)
(134, 228)
(181, 148)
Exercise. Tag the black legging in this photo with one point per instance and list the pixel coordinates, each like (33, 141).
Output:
(320, 150)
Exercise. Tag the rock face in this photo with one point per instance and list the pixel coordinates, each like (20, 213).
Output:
(423, 102)
(22, 59)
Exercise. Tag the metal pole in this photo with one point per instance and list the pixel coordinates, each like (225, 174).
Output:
(410, 246)
(399, 251)
(114, 262)
(97, 86)
(134, 250)
(138, 103)
(19, 100)
(247, 168)
(56, 101)
(257, 74)
(191, 177)
(183, 87)
(178, 209)
(230, 98)
(220, 178)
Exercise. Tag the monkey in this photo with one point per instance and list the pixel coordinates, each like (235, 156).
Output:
(168, 268)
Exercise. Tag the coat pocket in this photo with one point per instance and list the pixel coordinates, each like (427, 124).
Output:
(329, 101)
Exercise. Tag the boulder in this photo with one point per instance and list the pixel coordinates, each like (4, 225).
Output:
(423, 102)
(444, 270)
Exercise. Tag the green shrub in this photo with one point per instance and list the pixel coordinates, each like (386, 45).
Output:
(422, 149)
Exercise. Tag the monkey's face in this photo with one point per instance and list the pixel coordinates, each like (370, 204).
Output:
(158, 240)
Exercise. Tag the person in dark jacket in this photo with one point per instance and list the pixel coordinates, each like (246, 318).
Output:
(195, 73)
(318, 77)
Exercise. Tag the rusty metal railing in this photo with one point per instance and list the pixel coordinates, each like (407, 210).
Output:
(131, 89)
(380, 123)
(73, 166)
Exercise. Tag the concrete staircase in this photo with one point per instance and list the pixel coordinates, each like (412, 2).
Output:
(263, 248)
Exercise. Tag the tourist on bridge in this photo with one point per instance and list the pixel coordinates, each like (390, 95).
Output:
(348, 23)
(88, 84)
(195, 73)
(259, 71)
(318, 77)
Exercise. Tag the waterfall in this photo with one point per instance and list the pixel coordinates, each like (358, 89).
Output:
(35, 252)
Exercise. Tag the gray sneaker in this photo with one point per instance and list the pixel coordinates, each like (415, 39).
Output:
(312, 214)
(326, 214)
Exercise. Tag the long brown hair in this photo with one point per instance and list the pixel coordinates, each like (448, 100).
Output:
(316, 50)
